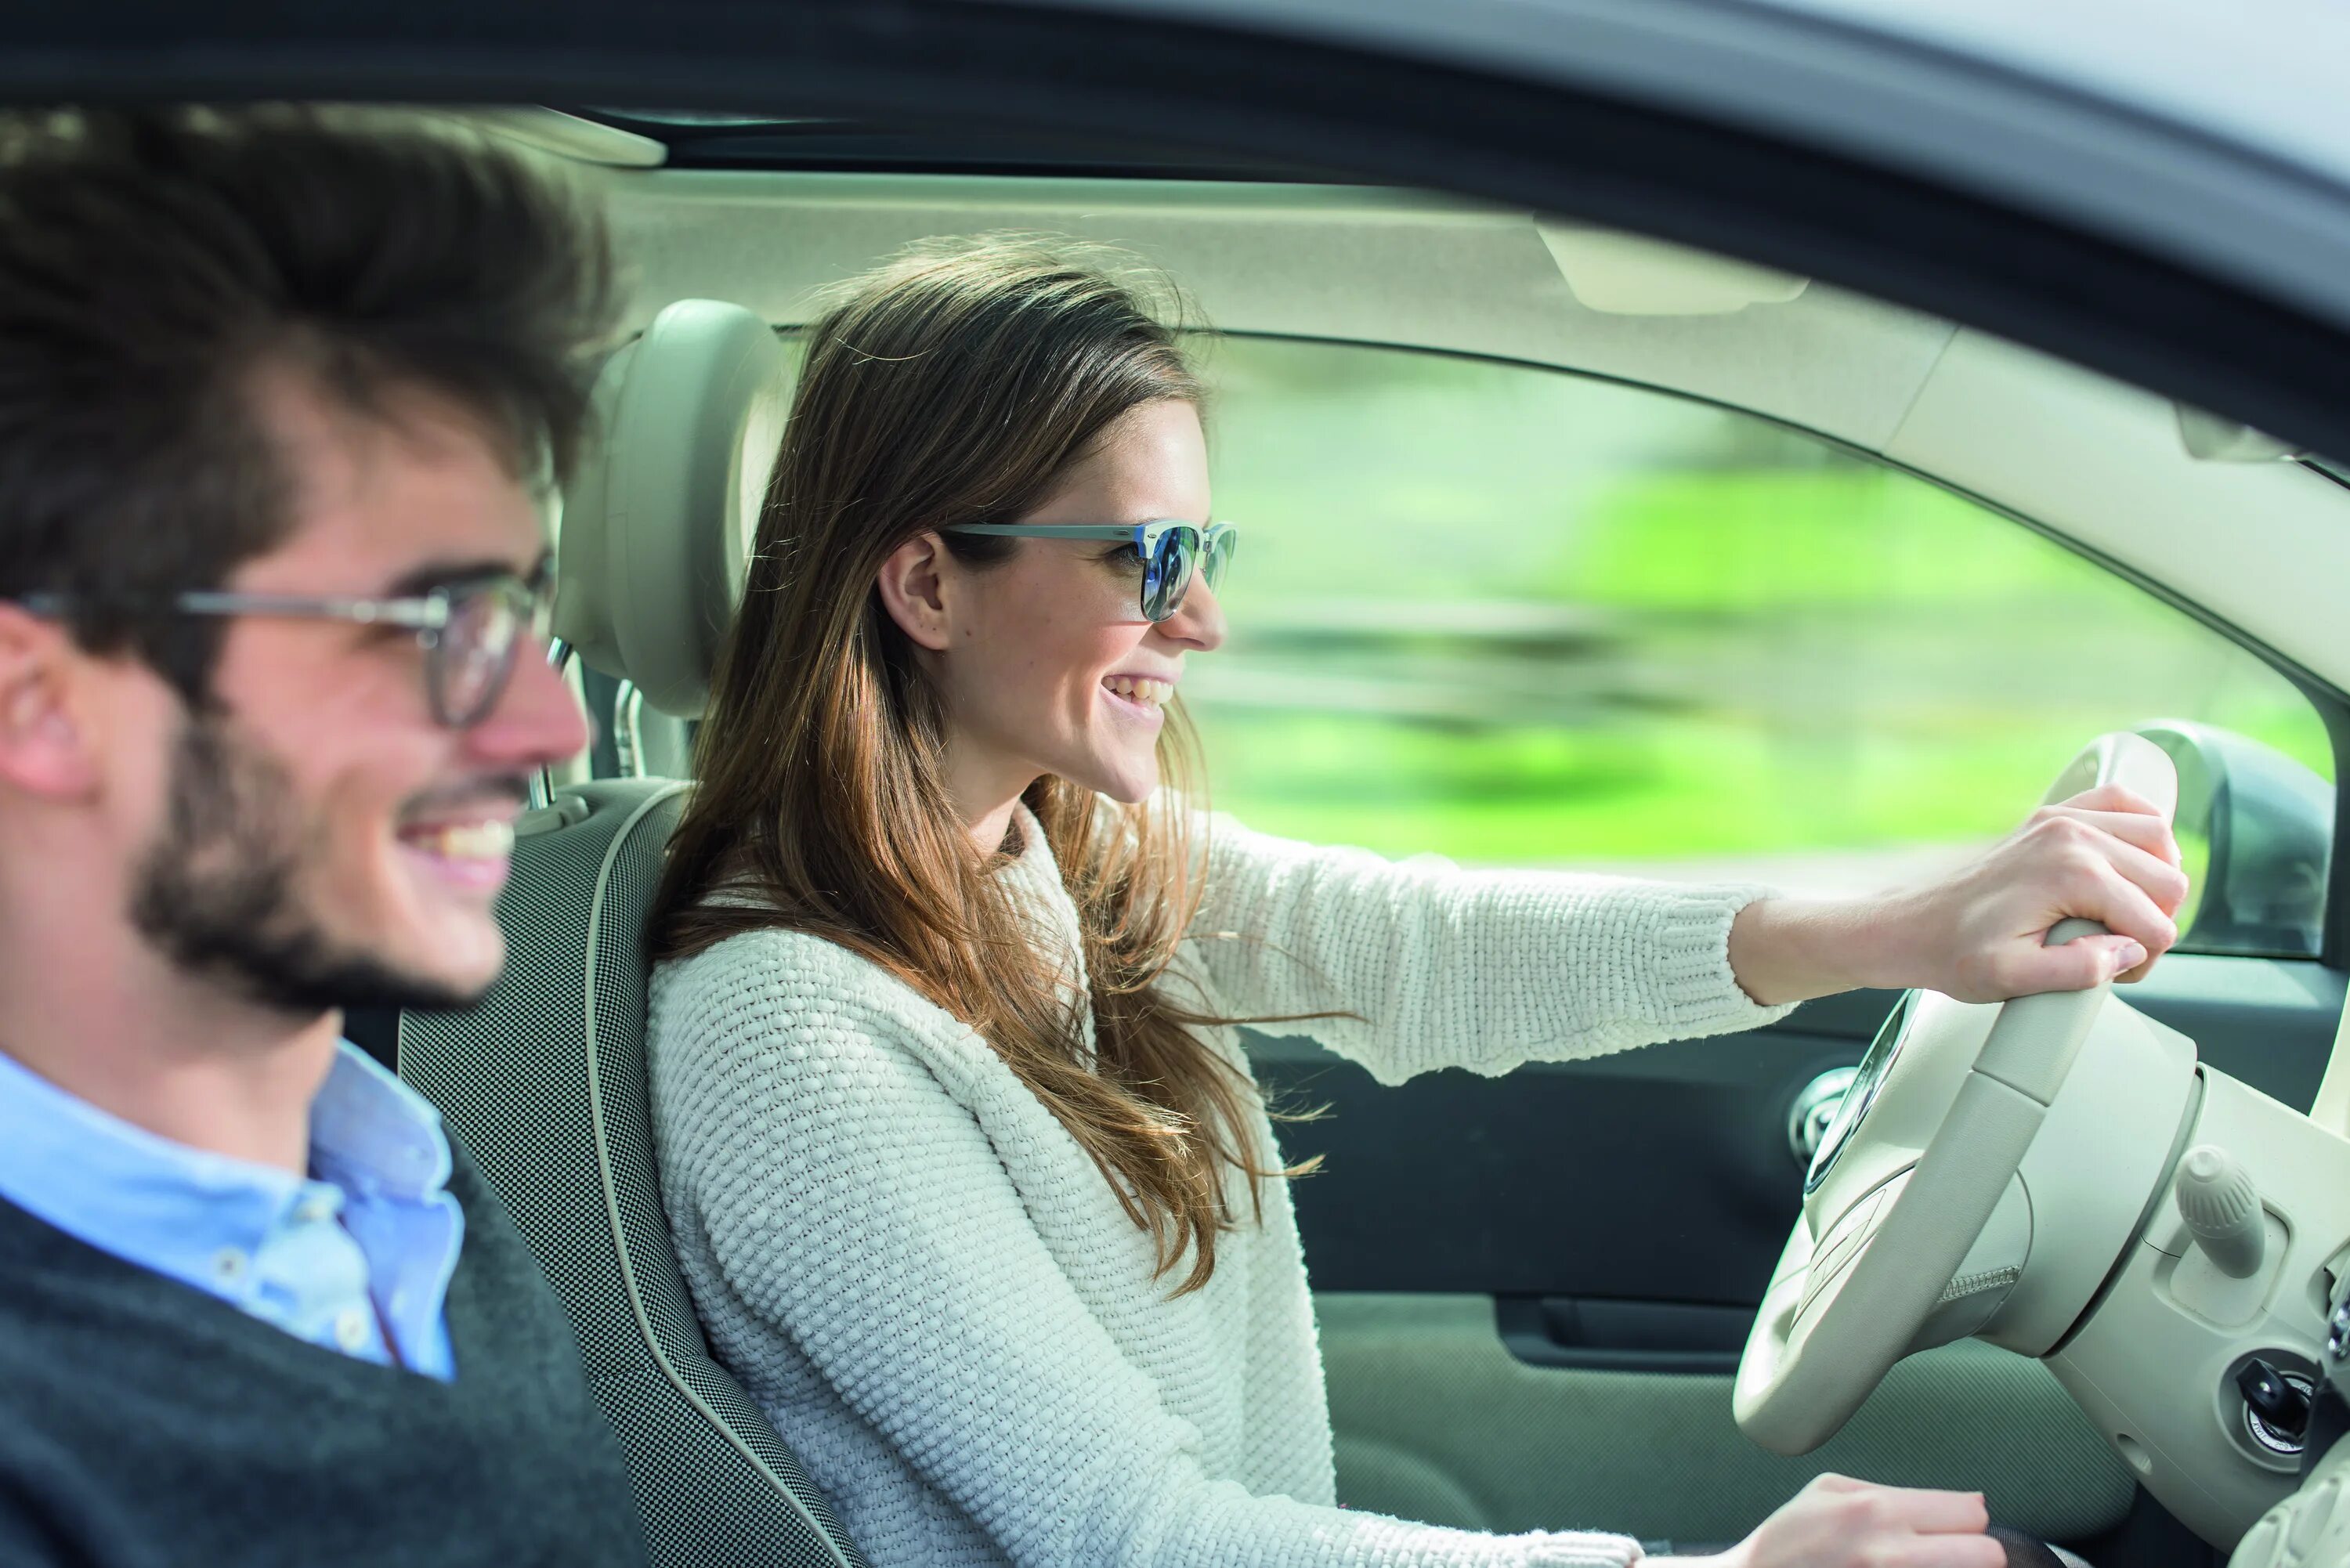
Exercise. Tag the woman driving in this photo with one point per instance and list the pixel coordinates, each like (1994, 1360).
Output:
(972, 1182)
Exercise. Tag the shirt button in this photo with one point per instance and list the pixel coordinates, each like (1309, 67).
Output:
(228, 1265)
(315, 1209)
(351, 1328)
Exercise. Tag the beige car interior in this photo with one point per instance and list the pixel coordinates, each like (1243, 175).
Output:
(2060, 1178)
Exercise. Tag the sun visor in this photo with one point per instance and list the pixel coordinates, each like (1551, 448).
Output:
(1626, 275)
(571, 136)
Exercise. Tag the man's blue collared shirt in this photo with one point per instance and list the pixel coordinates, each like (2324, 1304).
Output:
(361, 1249)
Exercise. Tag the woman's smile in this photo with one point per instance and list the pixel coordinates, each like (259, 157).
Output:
(1141, 699)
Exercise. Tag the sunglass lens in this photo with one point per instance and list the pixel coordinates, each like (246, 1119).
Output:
(1167, 575)
(1217, 557)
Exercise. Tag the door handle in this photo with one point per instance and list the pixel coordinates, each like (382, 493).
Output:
(1623, 1335)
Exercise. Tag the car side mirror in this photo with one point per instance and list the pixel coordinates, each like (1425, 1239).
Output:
(2256, 833)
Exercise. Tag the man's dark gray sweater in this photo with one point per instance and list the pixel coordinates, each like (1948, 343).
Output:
(143, 1423)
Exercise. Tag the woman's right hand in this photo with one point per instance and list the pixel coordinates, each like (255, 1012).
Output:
(1838, 1522)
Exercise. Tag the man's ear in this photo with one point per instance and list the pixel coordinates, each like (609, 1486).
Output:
(45, 741)
(914, 594)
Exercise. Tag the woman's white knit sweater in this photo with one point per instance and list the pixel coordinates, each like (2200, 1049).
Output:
(935, 1294)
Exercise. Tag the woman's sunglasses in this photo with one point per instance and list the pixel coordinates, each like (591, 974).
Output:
(1172, 553)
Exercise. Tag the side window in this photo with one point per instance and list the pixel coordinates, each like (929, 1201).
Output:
(1517, 617)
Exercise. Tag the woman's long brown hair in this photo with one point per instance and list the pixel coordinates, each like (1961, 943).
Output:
(957, 384)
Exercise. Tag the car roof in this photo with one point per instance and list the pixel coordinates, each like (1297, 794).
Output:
(2136, 231)
(2145, 189)
(2218, 135)
(2265, 72)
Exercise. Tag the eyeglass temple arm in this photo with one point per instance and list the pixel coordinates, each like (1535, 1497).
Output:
(415, 614)
(1049, 530)
(420, 613)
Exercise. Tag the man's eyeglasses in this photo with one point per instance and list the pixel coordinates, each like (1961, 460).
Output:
(1172, 553)
(470, 631)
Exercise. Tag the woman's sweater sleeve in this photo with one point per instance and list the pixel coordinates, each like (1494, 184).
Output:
(853, 1208)
(1446, 968)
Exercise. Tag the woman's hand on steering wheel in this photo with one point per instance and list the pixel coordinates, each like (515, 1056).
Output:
(1838, 1522)
(2104, 855)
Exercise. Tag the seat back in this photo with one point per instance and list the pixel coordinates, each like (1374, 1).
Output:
(545, 1078)
(544, 1081)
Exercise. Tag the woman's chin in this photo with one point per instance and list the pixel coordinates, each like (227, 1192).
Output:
(1128, 784)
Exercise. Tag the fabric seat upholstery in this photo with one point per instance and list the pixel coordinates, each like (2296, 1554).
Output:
(545, 1079)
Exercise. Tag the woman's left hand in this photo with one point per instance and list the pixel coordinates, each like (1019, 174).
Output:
(2105, 855)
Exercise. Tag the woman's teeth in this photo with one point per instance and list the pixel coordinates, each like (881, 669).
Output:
(1134, 689)
(469, 841)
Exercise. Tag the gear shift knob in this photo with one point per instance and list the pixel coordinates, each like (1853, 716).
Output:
(2223, 1209)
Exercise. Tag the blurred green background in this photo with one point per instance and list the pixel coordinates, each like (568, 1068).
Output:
(1521, 617)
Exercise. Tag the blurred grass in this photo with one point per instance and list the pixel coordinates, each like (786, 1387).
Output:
(1674, 791)
(1801, 650)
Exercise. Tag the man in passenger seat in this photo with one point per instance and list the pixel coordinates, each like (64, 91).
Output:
(281, 395)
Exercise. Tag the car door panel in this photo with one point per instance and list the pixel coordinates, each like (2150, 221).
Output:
(1436, 1419)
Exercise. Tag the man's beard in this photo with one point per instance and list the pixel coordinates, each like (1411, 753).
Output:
(218, 894)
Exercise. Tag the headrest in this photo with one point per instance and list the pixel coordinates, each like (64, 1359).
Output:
(656, 528)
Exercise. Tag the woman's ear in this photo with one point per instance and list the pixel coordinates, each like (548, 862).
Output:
(913, 592)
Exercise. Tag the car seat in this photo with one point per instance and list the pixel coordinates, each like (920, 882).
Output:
(543, 1080)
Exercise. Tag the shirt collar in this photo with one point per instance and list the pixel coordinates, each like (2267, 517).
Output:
(371, 1130)
(170, 1208)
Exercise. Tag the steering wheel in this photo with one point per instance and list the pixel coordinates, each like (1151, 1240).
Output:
(1879, 1264)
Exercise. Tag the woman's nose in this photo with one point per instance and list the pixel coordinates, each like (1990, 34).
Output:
(1200, 623)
